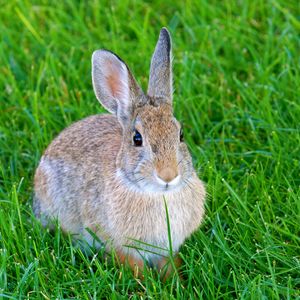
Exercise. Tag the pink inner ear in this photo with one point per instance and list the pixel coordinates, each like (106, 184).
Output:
(114, 85)
(113, 79)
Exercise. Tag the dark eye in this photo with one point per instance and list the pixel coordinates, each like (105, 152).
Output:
(181, 135)
(137, 139)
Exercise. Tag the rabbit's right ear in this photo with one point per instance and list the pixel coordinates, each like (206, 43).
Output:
(114, 85)
(160, 81)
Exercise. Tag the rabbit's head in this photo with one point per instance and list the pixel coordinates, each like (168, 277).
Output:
(153, 156)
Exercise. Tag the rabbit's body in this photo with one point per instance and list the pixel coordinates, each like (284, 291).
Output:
(112, 174)
(95, 204)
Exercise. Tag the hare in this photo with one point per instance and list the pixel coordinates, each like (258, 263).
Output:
(114, 174)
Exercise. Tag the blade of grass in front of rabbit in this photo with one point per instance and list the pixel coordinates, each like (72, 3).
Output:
(169, 237)
(146, 244)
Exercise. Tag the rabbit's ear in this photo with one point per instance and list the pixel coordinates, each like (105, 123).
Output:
(114, 85)
(160, 81)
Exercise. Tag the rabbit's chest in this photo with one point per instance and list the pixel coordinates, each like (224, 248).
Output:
(149, 226)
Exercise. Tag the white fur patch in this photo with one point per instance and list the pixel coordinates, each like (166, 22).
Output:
(156, 187)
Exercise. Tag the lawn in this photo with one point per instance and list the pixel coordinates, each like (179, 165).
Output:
(237, 92)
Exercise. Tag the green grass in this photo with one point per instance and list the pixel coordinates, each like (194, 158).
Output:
(237, 91)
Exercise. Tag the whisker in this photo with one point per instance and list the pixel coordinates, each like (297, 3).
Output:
(188, 183)
(180, 162)
(139, 179)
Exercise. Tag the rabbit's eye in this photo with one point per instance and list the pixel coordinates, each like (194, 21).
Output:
(137, 139)
(181, 135)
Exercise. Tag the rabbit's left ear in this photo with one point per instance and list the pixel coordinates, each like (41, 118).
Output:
(160, 86)
(114, 85)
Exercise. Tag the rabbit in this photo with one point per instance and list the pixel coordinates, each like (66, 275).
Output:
(115, 174)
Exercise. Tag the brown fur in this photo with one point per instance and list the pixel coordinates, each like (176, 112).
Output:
(137, 265)
(93, 176)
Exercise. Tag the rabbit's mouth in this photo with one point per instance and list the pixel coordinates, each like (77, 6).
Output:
(153, 184)
(160, 186)
(167, 185)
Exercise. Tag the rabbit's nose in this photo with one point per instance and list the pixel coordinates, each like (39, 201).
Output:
(167, 174)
